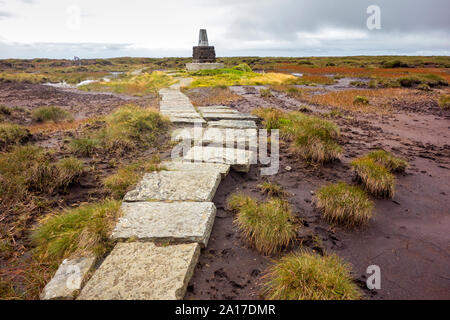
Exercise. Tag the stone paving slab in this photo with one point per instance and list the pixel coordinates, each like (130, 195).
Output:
(216, 136)
(219, 109)
(190, 115)
(176, 186)
(227, 116)
(161, 221)
(177, 109)
(223, 169)
(239, 159)
(143, 271)
(187, 121)
(233, 124)
(67, 279)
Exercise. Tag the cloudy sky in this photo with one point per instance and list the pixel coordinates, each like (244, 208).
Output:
(158, 28)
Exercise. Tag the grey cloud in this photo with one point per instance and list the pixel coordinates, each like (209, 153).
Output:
(4, 15)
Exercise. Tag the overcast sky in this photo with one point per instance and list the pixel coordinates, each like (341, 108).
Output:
(158, 28)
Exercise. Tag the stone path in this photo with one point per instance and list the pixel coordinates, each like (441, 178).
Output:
(169, 216)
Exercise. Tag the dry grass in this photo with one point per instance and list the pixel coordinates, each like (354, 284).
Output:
(49, 127)
(76, 232)
(137, 85)
(268, 226)
(444, 101)
(126, 129)
(238, 76)
(306, 276)
(120, 183)
(272, 189)
(375, 178)
(11, 134)
(266, 93)
(215, 96)
(388, 160)
(353, 72)
(313, 138)
(52, 113)
(344, 204)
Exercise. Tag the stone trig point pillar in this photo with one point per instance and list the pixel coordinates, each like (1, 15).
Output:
(204, 56)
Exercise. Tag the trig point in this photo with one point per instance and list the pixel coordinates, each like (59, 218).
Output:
(204, 56)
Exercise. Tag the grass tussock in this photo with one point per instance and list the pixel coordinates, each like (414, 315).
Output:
(12, 134)
(125, 129)
(374, 177)
(272, 189)
(313, 138)
(344, 204)
(84, 147)
(31, 169)
(444, 101)
(52, 113)
(388, 160)
(268, 226)
(119, 184)
(5, 110)
(266, 93)
(138, 85)
(306, 276)
(76, 232)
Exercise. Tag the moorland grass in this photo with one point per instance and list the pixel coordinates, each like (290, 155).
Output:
(388, 160)
(5, 110)
(32, 169)
(240, 75)
(76, 232)
(272, 189)
(444, 101)
(308, 276)
(138, 85)
(360, 100)
(268, 226)
(266, 93)
(375, 178)
(127, 128)
(119, 184)
(12, 134)
(51, 113)
(84, 147)
(343, 204)
(313, 138)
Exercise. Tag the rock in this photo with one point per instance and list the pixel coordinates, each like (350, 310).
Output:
(190, 121)
(216, 109)
(288, 168)
(68, 279)
(218, 137)
(234, 124)
(223, 169)
(176, 186)
(161, 221)
(239, 159)
(143, 271)
(227, 116)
